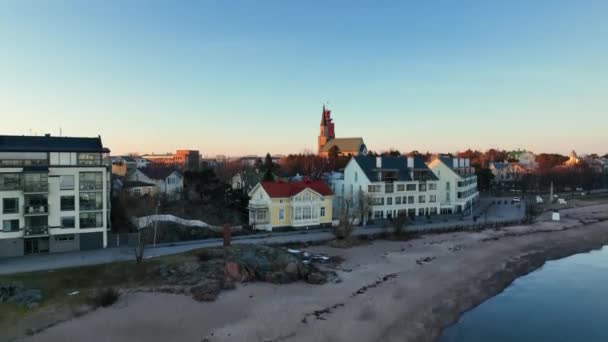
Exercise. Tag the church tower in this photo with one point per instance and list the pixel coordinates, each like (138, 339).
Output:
(327, 128)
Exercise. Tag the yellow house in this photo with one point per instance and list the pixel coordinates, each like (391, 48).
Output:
(290, 204)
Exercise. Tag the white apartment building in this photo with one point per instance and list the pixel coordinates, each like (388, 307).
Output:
(393, 185)
(457, 184)
(54, 194)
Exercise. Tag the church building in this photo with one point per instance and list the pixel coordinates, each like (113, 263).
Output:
(328, 140)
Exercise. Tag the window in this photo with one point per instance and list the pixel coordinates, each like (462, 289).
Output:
(10, 226)
(67, 183)
(447, 196)
(410, 199)
(378, 201)
(10, 181)
(65, 237)
(298, 213)
(260, 215)
(306, 213)
(432, 186)
(356, 176)
(421, 199)
(36, 182)
(91, 201)
(89, 158)
(374, 188)
(389, 201)
(91, 181)
(378, 214)
(281, 214)
(137, 192)
(10, 205)
(447, 186)
(432, 198)
(322, 212)
(397, 200)
(388, 188)
(422, 187)
(68, 222)
(91, 220)
(67, 203)
(411, 187)
(400, 187)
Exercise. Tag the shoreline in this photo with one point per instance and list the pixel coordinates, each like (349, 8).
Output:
(388, 290)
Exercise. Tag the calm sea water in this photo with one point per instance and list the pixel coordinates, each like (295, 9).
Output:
(565, 300)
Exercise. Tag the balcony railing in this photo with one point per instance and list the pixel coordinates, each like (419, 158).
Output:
(91, 186)
(35, 209)
(36, 187)
(36, 230)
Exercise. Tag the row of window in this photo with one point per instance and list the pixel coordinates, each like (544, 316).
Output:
(403, 200)
(389, 188)
(303, 213)
(84, 159)
(87, 220)
(88, 201)
(89, 181)
(388, 214)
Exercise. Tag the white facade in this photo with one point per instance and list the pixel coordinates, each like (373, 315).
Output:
(53, 202)
(408, 195)
(457, 184)
(142, 163)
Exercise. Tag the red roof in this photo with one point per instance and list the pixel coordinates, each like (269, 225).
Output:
(288, 189)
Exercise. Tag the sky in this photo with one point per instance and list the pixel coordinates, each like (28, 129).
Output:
(249, 77)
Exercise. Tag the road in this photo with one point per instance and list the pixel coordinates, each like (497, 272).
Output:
(29, 263)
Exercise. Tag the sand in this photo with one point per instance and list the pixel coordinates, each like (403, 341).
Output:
(389, 290)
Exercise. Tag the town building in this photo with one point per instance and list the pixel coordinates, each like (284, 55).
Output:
(169, 183)
(54, 194)
(507, 172)
(303, 204)
(328, 141)
(182, 159)
(389, 185)
(457, 184)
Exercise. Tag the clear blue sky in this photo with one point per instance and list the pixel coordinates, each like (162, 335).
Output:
(241, 77)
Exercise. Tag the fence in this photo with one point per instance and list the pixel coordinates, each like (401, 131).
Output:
(123, 240)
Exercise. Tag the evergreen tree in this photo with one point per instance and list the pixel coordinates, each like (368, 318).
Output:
(268, 169)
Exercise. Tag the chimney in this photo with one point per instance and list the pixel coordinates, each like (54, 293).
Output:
(379, 162)
(455, 163)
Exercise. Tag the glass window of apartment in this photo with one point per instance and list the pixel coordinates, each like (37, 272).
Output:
(411, 187)
(322, 212)
(10, 226)
(67, 203)
(447, 186)
(298, 213)
(397, 200)
(378, 201)
(10, 181)
(410, 199)
(89, 158)
(91, 181)
(36, 182)
(378, 214)
(432, 186)
(432, 198)
(67, 182)
(91, 201)
(307, 213)
(356, 176)
(422, 187)
(421, 199)
(281, 214)
(388, 188)
(10, 205)
(91, 220)
(389, 201)
(400, 187)
(65, 237)
(374, 188)
(68, 222)
(404, 201)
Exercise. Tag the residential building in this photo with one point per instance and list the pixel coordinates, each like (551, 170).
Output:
(573, 160)
(54, 194)
(139, 189)
(507, 172)
(328, 141)
(169, 183)
(290, 204)
(181, 159)
(457, 184)
(391, 185)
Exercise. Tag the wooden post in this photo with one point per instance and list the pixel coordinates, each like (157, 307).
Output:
(227, 235)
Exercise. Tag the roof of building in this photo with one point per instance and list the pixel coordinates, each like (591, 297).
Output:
(345, 145)
(158, 172)
(135, 184)
(288, 189)
(395, 164)
(47, 143)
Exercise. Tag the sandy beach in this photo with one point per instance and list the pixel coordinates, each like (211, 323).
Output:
(388, 290)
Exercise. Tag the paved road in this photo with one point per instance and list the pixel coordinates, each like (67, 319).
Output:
(496, 213)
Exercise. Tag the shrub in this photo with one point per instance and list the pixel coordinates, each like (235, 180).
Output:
(105, 297)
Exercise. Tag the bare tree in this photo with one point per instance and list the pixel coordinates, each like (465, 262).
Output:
(349, 212)
(399, 223)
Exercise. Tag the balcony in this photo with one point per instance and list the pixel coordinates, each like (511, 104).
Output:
(36, 187)
(34, 210)
(36, 230)
(91, 186)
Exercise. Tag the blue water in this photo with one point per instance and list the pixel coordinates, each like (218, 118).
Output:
(565, 300)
